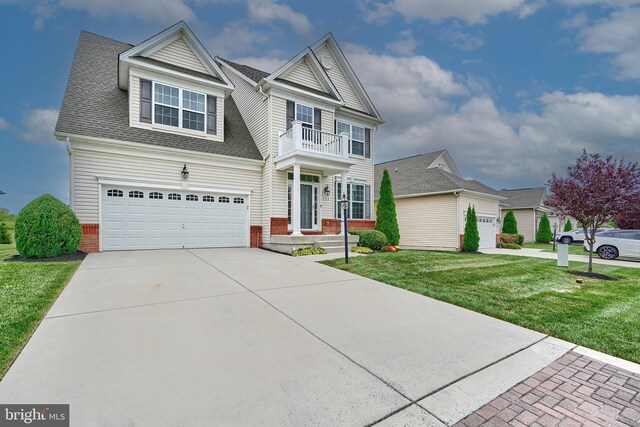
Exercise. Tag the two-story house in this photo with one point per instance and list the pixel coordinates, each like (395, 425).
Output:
(171, 148)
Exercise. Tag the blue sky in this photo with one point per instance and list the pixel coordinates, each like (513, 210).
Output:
(514, 89)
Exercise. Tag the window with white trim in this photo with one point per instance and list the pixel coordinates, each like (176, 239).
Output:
(178, 107)
(134, 194)
(223, 199)
(356, 137)
(304, 114)
(208, 199)
(191, 198)
(238, 200)
(356, 195)
(114, 193)
(155, 195)
(174, 196)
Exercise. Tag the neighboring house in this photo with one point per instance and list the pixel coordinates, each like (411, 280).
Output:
(432, 199)
(528, 207)
(171, 148)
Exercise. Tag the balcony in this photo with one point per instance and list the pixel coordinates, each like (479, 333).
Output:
(312, 148)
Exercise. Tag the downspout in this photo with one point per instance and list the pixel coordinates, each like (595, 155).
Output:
(71, 173)
(457, 194)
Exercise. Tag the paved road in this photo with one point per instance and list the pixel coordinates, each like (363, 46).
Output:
(538, 253)
(249, 337)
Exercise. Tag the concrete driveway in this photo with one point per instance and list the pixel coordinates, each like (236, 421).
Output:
(246, 337)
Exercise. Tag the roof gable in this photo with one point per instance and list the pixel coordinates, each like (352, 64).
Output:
(176, 46)
(524, 198)
(303, 75)
(342, 75)
(445, 158)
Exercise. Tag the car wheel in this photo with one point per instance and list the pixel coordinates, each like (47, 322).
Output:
(607, 252)
(566, 240)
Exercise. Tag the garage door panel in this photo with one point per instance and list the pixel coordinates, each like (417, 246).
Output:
(145, 223)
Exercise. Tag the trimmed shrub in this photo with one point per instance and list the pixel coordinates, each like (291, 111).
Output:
(46, 228)
(471, 241)
(5, 238)
(372, 239)
(509, 223)
(519, 239)
(508, 238)
(386, 219)
(568, 226)
(308, 251)
(361, 250)
(511, 246)
(544, 234)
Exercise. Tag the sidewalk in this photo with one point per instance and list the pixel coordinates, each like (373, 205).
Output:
(538, 253)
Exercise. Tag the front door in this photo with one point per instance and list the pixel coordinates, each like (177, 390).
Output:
(308, 206)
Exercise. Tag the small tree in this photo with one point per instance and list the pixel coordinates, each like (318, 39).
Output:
(5, 238)
(509, 223)
(544, 234)
(386, 220)
(629, 219)
(595, 190)
(567, 225)
(471, 240)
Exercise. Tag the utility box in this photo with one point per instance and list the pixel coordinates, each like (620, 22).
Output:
(563, 255)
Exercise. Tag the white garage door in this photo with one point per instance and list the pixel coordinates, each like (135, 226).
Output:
(486, 229)
(142, 218)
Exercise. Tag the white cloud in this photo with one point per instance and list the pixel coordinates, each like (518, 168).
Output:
(271, 10)
(619, 36)
(577, 21)
(461, 39)
(236, 39)
(472, 12)
(406, 44)
(38, 124)
(3, 124)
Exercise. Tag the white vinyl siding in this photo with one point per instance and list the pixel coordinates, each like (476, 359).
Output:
(303, 75)
(88, 165)
(180, 54)
(340, 81)
(428, 221)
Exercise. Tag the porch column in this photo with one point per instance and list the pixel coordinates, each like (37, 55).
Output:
(343, 190)
(295, 201)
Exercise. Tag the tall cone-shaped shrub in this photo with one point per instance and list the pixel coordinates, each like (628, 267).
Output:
(568, 226)
(544, 234)
(386, 220)
(471, 241)
(509, 223)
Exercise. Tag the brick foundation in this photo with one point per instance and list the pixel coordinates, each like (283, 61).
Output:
(256, 236)
(280, 226)
(90, 238)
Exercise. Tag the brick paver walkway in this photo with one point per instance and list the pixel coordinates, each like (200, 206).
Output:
(573, 391)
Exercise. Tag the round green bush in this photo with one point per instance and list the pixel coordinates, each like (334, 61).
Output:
(372, 239)
(45, 228)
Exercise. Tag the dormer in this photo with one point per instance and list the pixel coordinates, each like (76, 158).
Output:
(174, 85)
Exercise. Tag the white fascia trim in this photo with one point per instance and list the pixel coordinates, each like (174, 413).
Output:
(356, 115)
(177, 74)
(290, 89)
(170, 186)
(157, 152)
(485, 195)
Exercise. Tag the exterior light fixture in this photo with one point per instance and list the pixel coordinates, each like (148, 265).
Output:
(326, 191)
(344, 204)
(185, 172)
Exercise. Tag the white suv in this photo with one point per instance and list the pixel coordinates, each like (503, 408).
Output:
(615, 243)
(574, 236)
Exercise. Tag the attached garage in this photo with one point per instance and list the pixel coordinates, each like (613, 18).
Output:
(487, 232)
(156, 218)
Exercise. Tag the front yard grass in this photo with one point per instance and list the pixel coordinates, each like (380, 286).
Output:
(531, 292)
(27, 291)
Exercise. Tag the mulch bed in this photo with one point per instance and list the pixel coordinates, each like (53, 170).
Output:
(592, 275)
(76, 256)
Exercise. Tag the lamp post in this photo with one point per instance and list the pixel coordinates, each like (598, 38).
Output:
(344, 203)
(555, 229)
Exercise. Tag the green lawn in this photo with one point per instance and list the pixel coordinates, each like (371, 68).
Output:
(531, 292)
(575, 249)
(27, 290)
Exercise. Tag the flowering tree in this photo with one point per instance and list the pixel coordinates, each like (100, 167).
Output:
(595, 190)
(630, 218)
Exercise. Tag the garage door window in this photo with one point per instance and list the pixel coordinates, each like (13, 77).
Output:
(136, 194)
(208, 199)
(155, 195)
(114, 193)
(223, 199)
(192, 198)
(238, 200)
(174, 196)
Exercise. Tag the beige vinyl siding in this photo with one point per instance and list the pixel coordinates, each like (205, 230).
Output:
(525, 219)
(340, 81)
(303, 75)
(441, 161)
(253, 107)
(87, 165)
(428, 221)
(180, 54)
(484, 207)
(134, 100)
(279, 178)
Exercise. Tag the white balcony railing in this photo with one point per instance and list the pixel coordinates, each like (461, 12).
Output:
(304, 139)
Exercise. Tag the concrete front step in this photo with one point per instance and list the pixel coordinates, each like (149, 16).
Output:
(336, 249)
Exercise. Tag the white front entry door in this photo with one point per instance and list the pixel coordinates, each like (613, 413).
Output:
(487, 232)
(142, 218)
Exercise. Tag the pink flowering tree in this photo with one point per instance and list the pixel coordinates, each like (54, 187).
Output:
(595, 190)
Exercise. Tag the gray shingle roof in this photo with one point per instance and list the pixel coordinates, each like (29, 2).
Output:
(412, 176)
(95, 106)
(524, 197)
(252, 73)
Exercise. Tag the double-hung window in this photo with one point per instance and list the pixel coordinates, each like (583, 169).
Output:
(305, 115)
(178, 107)
(356, 137)
(356, 195)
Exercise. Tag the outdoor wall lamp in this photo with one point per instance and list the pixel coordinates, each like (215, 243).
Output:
(185, 172)
(326, 191)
